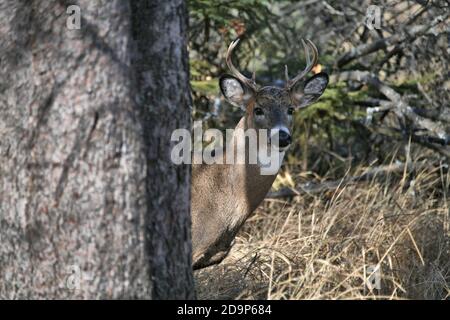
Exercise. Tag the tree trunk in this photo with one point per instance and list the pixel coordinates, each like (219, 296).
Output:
(162, 47)
(90, 204)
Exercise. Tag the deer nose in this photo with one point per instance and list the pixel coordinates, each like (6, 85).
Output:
(282, 135)
(284, 139)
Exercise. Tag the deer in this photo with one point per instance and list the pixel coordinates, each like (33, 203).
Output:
(223, 196)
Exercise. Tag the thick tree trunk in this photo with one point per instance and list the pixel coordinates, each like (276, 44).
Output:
(90, 206)
(163, 82)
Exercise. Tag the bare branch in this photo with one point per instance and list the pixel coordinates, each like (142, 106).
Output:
(400, 108)
(406, 35)
(380, 171)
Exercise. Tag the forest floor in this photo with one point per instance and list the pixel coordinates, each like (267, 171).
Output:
(326, 246)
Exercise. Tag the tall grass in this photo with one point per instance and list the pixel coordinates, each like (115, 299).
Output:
(320, 246)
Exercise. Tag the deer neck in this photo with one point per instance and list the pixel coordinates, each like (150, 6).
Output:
(250, 181)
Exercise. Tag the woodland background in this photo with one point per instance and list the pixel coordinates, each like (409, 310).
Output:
(91, 206)
(366, 181)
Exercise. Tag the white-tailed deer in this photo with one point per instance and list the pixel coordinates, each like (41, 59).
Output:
(224, 195)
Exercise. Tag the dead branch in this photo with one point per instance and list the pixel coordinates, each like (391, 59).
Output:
(372, 173)
(407, 35)
(434, 114)
(401, 109)
(426, 141)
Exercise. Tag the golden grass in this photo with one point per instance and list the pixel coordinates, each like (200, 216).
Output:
(319, 247)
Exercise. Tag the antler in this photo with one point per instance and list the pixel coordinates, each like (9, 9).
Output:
(249, 82)
(309, 65)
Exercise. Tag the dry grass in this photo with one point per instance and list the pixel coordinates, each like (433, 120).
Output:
(318, 247)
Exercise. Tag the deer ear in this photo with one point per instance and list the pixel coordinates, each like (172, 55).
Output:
(234, 91)
(309, 91)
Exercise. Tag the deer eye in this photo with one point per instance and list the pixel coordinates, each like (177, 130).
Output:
(290, 111)
(259, 111)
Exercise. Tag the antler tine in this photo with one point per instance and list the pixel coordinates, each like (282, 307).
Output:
(309, 65)
(250, 82)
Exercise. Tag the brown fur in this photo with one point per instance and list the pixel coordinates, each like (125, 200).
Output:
(224, 196)
(238, 190)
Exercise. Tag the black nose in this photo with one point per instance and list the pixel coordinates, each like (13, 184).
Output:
(284, 139)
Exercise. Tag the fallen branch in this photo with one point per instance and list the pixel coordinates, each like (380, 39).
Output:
(317, 188)
(397, 105)
(434, 114)
(426, 141)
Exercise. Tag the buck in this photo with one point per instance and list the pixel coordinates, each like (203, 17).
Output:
(225, 195)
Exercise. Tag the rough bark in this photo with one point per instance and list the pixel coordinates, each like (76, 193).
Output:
(162, 47)
(79, 216)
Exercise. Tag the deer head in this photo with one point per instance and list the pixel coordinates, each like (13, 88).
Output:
(272, 107)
